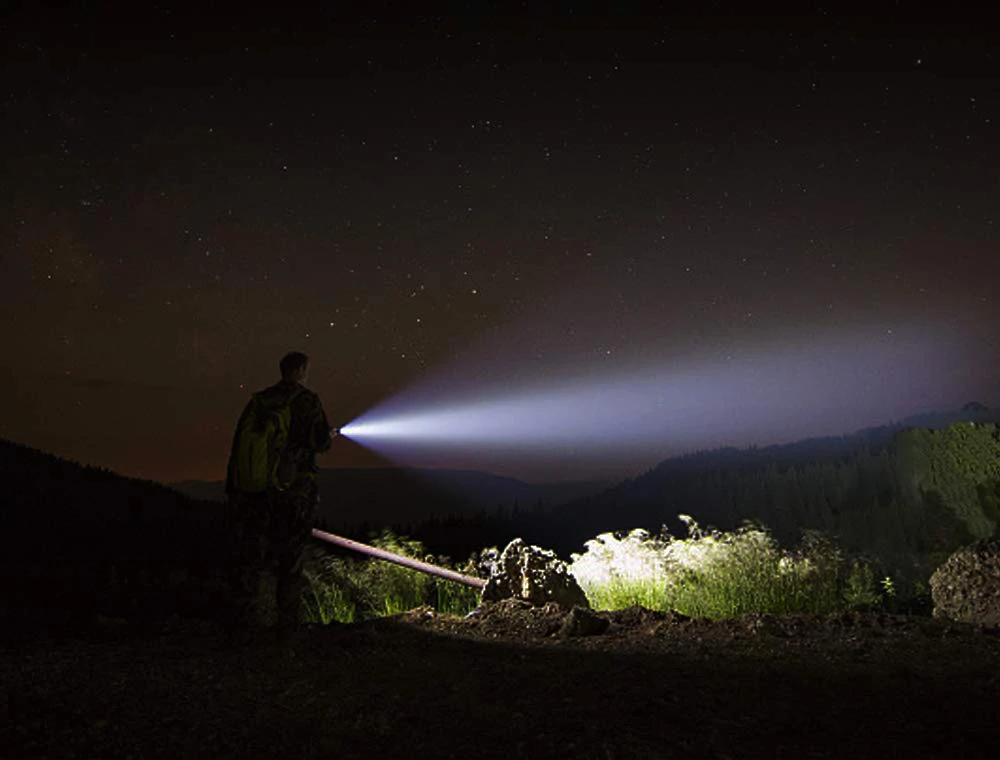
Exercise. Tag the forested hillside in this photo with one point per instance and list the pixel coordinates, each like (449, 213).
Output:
(908, 496)
(908, 493)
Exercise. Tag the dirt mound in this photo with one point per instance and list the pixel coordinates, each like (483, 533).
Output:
(637, 628)
(508, 619)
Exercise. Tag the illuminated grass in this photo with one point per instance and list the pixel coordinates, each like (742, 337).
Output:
(717, 575)
(325, 601)
(621, 572)
(344, 590)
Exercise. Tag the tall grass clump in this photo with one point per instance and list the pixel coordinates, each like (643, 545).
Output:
(622, 572)
(329, 595)
(713, 574)
(344, 589)
(717, 575)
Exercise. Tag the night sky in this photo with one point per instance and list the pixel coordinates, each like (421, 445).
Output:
(482, 197)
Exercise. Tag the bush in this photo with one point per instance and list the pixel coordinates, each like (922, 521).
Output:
(860, 589)
(715, 574)
(621, 572)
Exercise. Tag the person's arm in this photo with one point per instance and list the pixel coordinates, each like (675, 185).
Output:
(321, 434)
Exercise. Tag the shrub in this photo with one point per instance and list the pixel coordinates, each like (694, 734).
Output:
(860, 590)
(715, 574)
(621, 572)
(719, 575)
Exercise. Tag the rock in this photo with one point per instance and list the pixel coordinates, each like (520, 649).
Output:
(582, 621)
(534, 575)
(966, 588)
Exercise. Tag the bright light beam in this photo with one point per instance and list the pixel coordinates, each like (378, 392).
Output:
(814, 389)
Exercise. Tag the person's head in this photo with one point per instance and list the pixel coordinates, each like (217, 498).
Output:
(294, 367)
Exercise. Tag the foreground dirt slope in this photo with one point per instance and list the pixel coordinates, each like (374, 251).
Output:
(507, 685)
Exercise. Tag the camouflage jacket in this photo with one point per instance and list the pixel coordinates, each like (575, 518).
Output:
(309, 432)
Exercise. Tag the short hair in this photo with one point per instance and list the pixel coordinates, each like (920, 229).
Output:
(292, 363)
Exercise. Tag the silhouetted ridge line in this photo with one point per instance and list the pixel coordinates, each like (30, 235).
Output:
(81, 542)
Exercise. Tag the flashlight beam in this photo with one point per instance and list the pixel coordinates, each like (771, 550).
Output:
(828, 385)
(399, 559)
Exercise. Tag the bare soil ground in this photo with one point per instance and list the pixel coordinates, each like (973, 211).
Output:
(507, 684)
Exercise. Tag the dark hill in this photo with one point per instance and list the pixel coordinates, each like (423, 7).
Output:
(77, 541)
(34, 484)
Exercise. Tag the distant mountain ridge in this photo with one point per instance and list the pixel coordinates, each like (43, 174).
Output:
(970, 412)
(405, 496)
(926, 483)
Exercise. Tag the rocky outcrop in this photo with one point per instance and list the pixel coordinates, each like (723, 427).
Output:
(966, 588)
(534, 575)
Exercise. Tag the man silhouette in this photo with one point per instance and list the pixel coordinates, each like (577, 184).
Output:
(272, 526)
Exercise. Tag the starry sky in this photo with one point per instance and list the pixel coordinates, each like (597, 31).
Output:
(187, 196)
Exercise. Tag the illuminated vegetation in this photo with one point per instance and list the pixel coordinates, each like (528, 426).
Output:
(710, 574)
(716, 575)
(346, 589)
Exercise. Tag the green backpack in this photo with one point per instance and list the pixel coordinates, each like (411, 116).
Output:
(262, 457)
